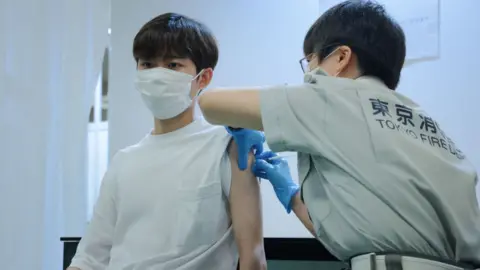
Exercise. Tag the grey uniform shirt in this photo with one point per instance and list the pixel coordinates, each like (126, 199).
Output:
(378, 174)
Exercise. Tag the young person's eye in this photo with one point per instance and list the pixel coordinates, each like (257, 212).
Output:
(174, 65)
(145, 64)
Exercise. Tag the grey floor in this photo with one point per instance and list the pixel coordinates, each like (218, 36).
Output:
(304, 265)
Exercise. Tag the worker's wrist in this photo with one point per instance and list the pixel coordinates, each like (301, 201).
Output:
(234, 131)
(296, 201)
(294, 191)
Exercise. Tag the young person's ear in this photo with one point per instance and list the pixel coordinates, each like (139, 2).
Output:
(205, 78)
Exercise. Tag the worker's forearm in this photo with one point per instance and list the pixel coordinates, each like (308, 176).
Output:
(239, 108)
(301, 212)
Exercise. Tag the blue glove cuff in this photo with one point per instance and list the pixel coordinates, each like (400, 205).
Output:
(285, 196)
(232, 130)
(235, 131)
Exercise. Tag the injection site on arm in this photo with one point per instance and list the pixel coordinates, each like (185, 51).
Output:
(246, 211)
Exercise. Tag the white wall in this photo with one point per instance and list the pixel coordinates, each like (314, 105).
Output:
(260, 43)
(50, 57)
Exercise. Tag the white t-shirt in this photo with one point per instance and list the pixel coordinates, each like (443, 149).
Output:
(378, 173)
(163, 205)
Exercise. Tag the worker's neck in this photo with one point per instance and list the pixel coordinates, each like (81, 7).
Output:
(172, 124)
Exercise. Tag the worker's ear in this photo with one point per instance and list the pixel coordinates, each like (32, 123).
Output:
(344, 57)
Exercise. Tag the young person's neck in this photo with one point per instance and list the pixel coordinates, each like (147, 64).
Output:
(172, 124)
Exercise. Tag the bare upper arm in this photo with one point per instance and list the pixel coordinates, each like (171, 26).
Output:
(246, 211)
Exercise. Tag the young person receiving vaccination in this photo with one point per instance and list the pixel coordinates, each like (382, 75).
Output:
(177, 199)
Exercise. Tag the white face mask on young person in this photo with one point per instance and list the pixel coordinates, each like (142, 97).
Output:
(165, 92)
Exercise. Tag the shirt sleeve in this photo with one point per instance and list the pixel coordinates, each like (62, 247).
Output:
(93, 251)
(293, 117)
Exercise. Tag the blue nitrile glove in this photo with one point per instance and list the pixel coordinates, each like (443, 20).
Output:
(247, 140)
(278, 173)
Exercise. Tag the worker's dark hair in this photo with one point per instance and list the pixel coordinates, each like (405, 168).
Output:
(372, 35)
(172, 35)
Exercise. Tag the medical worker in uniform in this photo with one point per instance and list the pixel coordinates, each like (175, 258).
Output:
(382, 185)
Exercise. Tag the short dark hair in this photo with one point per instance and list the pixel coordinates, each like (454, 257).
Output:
(172, 35)
(373, 36)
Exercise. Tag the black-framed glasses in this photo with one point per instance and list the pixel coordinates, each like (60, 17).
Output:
(304, 64)
(306, 60)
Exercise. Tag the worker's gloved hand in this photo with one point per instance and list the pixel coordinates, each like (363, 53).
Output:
(276, 170)
(247, 140)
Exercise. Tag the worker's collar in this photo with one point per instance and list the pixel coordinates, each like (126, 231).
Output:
(372, 80)
(309, 77)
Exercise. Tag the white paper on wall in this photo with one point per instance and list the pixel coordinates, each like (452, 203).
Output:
(421, 23)
(420, 20)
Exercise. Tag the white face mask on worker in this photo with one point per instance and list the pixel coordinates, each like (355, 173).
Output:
(319, 70)
(165, 92)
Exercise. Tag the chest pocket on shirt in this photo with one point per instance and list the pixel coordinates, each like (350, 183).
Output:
(198, 214)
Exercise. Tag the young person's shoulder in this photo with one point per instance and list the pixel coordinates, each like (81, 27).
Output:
(213, 131)
(135, 148)
(132, 151)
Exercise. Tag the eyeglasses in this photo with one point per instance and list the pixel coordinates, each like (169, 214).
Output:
(305, 61)
(304, 64)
